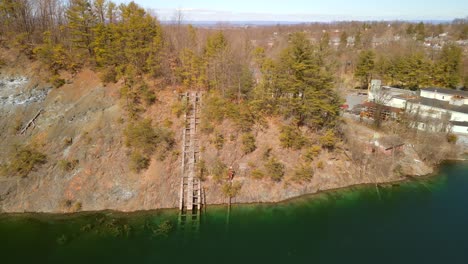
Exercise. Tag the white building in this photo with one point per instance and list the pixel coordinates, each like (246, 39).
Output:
(442, 104)
(390, 96)
(438, 108)
(448, 95)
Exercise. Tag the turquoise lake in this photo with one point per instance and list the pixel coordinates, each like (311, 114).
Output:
(420, 221)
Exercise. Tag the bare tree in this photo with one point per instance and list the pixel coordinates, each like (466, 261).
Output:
(380, 97)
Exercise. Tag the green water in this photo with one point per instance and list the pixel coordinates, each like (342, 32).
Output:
(424, 221)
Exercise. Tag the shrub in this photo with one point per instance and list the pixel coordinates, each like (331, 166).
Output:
(267, 153)
(231, 190)
(76, 207)
(320, 165)
(179, 108)
(144, 139)
(148, 95)
(67, 141)
(86, 137)
(303, 173)
(248, 143)
(71, 205)
(275, 169)
(243, 118)
(218, 170)
(215, 108)
(56, 81)
(291, 137)
(257, 174)
(109, 75)
(452, 138)
(312, 152)
(24, 161)
(67, 203)
(67, 165)
(329, 139)
(138, 162)
(201, 170)
(133, 101)
(164, 139)
(206, 126)
(141, 136)
(218, 141)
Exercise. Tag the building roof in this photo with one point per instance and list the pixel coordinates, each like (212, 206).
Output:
(446, 91)
(405, 96)
(384, 107)
(459, 123)
(440, 104)
(397, 91)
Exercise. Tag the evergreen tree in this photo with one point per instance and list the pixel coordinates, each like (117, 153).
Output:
(365, 67)
(217, 61)
(420, 31)
(448, 69)
(410, 30)
(136, 32)
(81, 21)
(192, 69)
(463, 33)
(358, 40)
(324, 41)
(103, 45)
(343, 39)
(305, 85)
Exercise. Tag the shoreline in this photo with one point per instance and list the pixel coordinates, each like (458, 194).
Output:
(403, 179)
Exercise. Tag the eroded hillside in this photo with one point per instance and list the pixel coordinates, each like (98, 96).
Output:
(81, 128)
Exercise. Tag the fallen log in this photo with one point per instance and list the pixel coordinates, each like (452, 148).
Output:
(31, 122)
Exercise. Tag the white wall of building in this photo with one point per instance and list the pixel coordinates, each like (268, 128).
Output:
(460, 129)
(457, 116)
(440, 96)
(438, 113)
(436, 95)
(397, 102)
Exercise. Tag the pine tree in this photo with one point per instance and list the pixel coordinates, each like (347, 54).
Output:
(192, 69)
(217, 61)
(53, 55)
(81, 21)
(136, 32)
(365, 67)
(358, 40)
(305, 86)
(410, 30)
(449, 66)
(343, 39)
(324, 41)
(420, 31)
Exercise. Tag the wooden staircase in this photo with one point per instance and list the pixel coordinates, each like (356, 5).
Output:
(190, 186)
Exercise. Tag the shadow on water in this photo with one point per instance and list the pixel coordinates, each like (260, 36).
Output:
(411, 222)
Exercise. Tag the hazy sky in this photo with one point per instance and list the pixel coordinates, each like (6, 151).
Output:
(308, 10)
